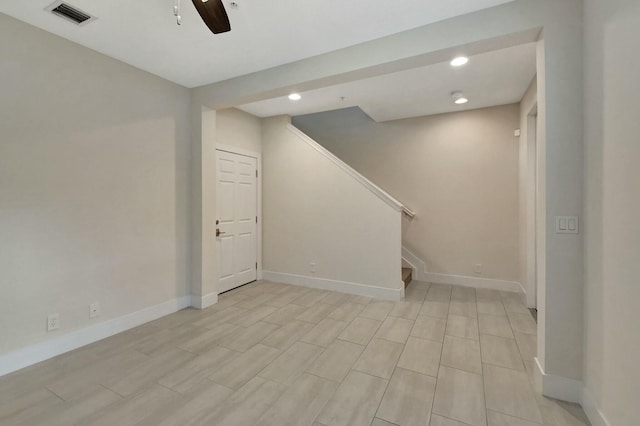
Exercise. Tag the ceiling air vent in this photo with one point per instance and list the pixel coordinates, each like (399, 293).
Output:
(70, 13)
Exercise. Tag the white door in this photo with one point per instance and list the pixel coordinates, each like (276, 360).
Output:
(236, 201)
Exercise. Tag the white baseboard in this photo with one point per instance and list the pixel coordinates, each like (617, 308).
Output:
(557, 387)
(420, 274)
(596, 417)
(418, 266)
(342, 286)
(202, 302)
(568, 390)
(38, 352)
(475, 282)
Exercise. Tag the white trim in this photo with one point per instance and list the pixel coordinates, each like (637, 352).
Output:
(557, 387)
(474, 282)
(258, 157)
(421, 274)
(333, 285)
(38, 352)
(530, 202)
(406, 264)
(259, 213)
(235, 150)
(537, 375)
(418, 266)
(376, 190)
(596, 417)
(202, 302)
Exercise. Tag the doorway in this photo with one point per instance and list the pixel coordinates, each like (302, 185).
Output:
(236, 219)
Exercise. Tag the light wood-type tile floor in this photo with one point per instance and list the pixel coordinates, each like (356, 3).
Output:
(275, 354)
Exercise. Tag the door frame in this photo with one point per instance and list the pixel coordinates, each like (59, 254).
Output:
(248, 153)
(532, 200)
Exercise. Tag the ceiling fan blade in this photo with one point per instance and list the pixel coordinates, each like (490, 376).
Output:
(213, 14)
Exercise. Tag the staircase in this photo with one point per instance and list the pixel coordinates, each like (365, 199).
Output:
(406, 276)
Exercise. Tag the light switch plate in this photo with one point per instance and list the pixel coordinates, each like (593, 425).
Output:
(567, 225)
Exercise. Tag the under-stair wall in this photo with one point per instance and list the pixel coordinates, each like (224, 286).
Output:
(324, 225)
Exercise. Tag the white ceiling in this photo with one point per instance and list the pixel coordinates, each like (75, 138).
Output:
(264, 34)
(495, 78)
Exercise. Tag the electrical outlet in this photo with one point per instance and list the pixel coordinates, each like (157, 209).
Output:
(94, 310)
(53, 322)
(312, 267)
(477, 268)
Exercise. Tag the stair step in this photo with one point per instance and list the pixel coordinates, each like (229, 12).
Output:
(407, 276)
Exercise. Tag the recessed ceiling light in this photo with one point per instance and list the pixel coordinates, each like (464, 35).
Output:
(459, 61)
(459, 98)
(295, 97)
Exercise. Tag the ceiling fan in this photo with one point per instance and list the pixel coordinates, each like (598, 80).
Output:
(212, 13)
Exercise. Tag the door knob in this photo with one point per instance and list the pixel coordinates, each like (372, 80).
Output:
(218, 233)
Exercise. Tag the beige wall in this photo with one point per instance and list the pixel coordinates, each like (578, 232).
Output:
(316, 212)
(93, 186)
(458, 172)
(612, 208)
(239, 129)
(559, 155)
(204, 268)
